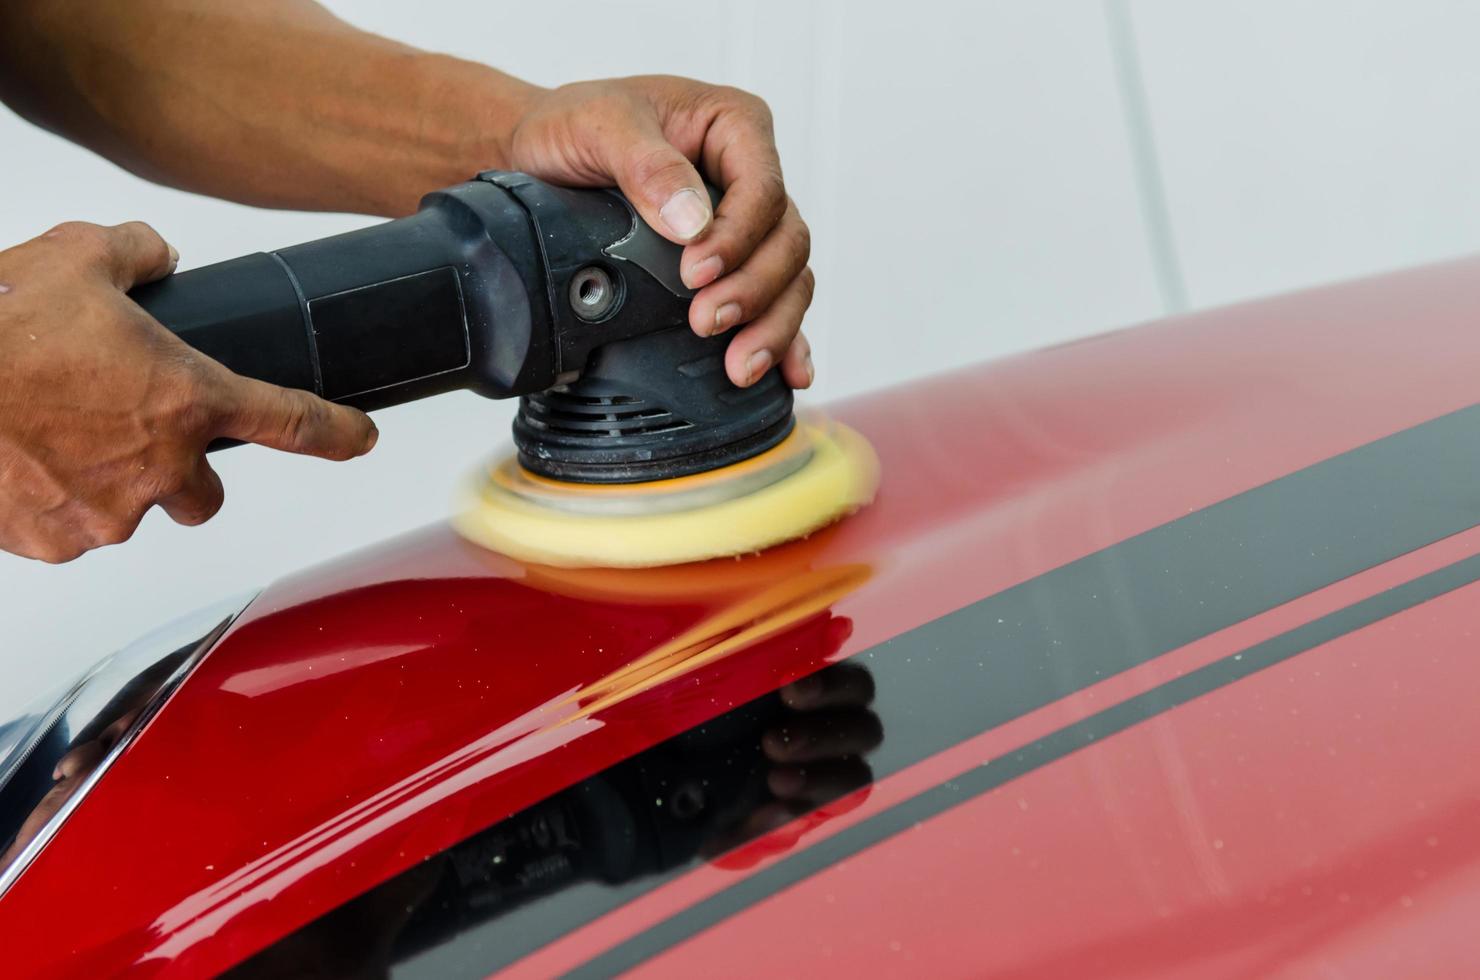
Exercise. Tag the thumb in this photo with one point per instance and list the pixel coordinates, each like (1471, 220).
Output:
(296, 421)
(661, 182)
(137, 254)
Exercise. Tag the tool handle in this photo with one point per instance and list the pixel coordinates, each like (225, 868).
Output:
(244, 313)
(370, 318)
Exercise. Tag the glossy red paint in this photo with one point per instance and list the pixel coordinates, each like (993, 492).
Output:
(368, 713)
(1318, 819)
(818, 947)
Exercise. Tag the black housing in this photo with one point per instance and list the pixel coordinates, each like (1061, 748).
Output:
(507, 286)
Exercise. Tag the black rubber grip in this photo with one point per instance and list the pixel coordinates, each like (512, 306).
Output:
(245, 313)
(370, 318)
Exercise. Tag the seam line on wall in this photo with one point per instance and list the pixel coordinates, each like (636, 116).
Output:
(1140, 134)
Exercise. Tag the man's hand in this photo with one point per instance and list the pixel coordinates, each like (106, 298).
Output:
(748, 257)
(104, 413)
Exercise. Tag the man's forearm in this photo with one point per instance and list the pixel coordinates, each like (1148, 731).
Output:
(273, 102)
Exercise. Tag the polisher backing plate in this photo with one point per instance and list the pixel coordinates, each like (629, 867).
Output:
(821, 472)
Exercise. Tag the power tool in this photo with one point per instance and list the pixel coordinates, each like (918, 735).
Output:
(632, 445)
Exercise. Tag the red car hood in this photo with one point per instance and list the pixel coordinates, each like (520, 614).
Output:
(1168, 635)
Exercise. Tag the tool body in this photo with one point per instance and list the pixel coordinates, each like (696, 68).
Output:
(633, 446)
(507, 286)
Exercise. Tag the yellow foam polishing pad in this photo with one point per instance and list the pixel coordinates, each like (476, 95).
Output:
(821, 472)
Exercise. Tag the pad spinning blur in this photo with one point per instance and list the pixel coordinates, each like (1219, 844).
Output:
(821, 472)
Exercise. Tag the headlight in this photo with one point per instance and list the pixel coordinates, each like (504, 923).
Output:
(54, 753)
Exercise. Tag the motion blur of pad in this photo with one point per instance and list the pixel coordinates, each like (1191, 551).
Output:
(819, 473)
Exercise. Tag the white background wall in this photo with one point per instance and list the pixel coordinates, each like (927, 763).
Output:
(980, 178)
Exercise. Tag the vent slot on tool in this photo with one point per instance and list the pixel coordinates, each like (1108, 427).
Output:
(613, 415)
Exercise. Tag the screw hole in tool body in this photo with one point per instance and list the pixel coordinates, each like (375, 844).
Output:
(593, 294)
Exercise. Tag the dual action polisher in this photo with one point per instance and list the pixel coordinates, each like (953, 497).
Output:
(633, 448)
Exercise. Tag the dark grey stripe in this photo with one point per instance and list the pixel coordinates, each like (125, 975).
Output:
(1000, 770)
(1011, 653)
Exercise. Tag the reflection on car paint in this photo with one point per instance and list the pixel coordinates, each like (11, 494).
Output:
(731, 628)
(72, 743)
(702, 795)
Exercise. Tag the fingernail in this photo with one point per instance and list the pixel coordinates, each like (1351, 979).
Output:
(704, 273)
(372, 440)
(758, 364)
(174, 257)
(726, 316)
(686, 214)
(811, 371)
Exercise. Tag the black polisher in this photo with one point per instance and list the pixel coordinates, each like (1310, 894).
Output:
(507, 286)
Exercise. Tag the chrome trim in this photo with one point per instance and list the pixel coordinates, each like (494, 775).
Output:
(44, 723)
(118, 686)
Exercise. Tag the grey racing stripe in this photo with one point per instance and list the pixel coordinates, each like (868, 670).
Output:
(998, 771)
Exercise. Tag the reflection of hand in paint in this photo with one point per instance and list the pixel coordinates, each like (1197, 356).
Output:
(355, 940)
(815, 758)
(741, 786)
(71, 772)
